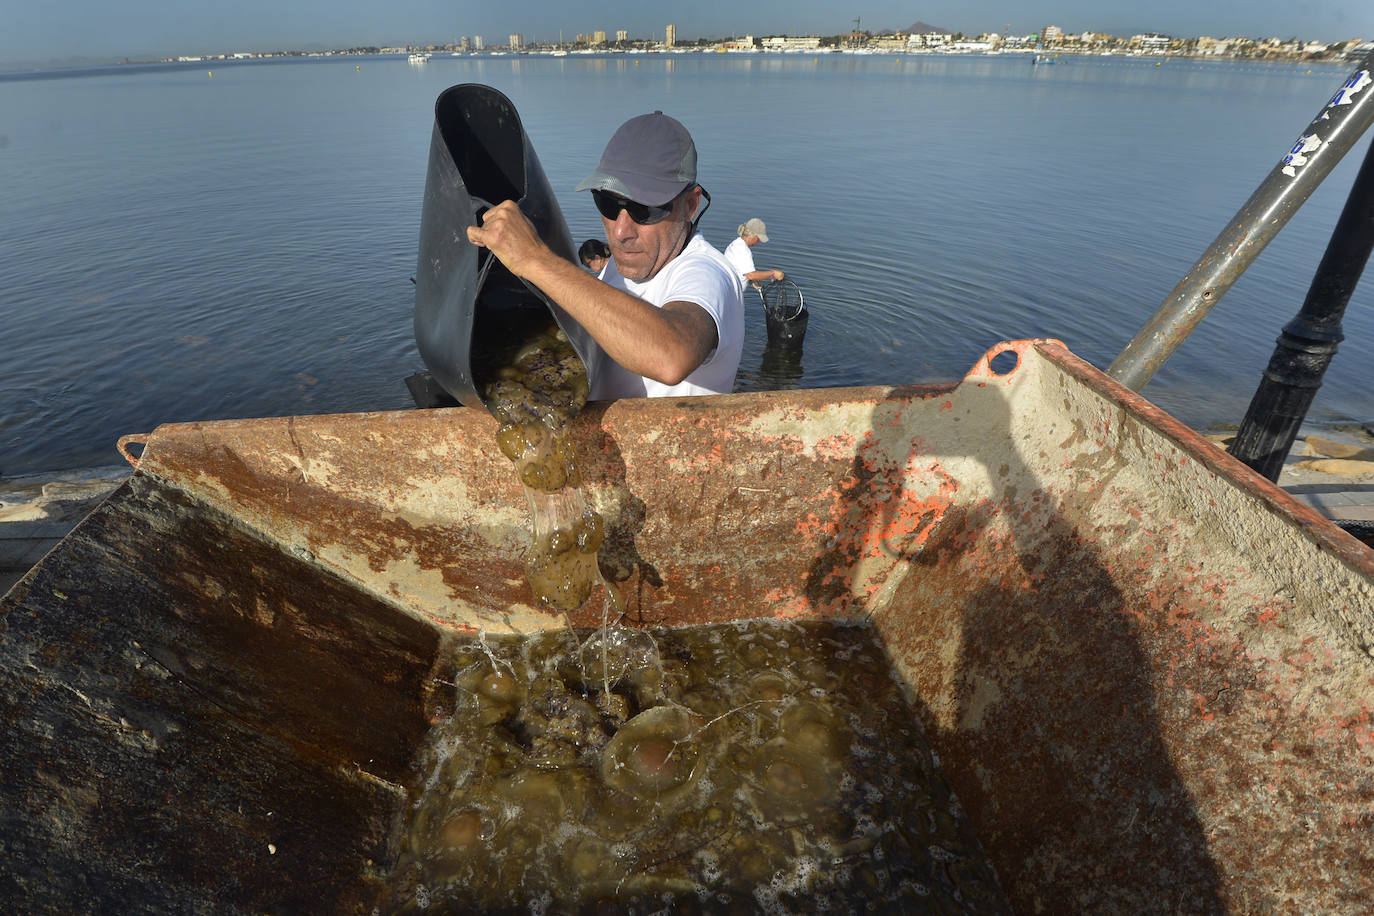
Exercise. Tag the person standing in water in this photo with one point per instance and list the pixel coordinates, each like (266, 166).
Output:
(740, 256)
(668, 308)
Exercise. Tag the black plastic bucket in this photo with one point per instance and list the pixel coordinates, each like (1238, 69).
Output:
(786, 332)
(466, 302)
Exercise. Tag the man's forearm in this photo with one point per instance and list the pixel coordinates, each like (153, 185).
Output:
(665, 344)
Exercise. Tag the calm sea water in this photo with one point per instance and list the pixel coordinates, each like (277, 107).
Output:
(188, 242)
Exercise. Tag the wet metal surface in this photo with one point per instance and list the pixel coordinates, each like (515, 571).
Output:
(1146, 668)
(192, 715)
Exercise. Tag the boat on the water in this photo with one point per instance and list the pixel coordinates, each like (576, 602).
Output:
(418, 57)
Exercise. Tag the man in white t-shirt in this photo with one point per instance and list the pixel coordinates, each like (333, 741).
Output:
(668, 309)
(738, 253)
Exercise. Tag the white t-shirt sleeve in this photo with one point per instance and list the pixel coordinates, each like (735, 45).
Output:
(705, 283)
(740, 257)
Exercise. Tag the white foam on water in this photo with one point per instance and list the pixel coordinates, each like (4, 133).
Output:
(865, 825)
(711, 871)
(540, 905)
(795, 881)
(767, 898)
(566, 831)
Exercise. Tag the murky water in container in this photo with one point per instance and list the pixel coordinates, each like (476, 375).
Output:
(754, 766)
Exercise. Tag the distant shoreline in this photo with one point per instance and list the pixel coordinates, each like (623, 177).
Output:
(127, 65)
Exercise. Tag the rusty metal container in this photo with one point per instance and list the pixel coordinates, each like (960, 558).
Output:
(1147, 671)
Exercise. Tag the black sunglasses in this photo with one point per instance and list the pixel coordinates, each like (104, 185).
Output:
(610, 205)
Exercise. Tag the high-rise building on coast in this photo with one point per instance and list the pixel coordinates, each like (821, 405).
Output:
(622, 35)
(477, 42)
(670, 37)
(516, 42)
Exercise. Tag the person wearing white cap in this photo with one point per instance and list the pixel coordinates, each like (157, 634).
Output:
(668, 309)
(741, 258)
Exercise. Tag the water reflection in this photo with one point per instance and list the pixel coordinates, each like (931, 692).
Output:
(933, 205)
(779, 370)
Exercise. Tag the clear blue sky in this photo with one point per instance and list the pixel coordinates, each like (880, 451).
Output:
(37, 30)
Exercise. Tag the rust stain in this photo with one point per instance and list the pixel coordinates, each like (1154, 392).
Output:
(1135, 657)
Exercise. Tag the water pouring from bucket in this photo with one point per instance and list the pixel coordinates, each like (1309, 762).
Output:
(494, 339)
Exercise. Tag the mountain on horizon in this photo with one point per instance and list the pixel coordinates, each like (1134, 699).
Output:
(921, 28)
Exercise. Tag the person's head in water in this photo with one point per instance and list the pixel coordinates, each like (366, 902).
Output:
(593, 254)
(646, 190)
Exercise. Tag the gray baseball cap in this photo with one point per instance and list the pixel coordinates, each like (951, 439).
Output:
(650, 159)
(754, 226)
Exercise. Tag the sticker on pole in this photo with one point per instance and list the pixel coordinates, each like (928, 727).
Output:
(1309, 143)
(1297, 157)
(1358, 80)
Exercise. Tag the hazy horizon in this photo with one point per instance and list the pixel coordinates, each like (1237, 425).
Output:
(153, 29)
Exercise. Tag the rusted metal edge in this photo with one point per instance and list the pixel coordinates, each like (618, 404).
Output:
(1325, 533)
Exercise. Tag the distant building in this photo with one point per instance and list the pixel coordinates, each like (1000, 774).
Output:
(477, 42)
(670, 37)
(516, 42)
(929, 40)
(463, 44)
(622, 35)
(783, 43)
(1051, 34)
(1151, 43)
(599, 37)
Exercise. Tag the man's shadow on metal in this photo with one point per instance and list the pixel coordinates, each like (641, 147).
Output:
(1042, 711)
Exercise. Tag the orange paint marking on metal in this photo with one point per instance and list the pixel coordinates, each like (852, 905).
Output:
(1101, 617)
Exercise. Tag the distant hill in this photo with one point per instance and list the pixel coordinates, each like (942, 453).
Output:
(921, 28)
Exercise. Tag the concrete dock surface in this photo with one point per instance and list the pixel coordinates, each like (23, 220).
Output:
(1329, 468)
